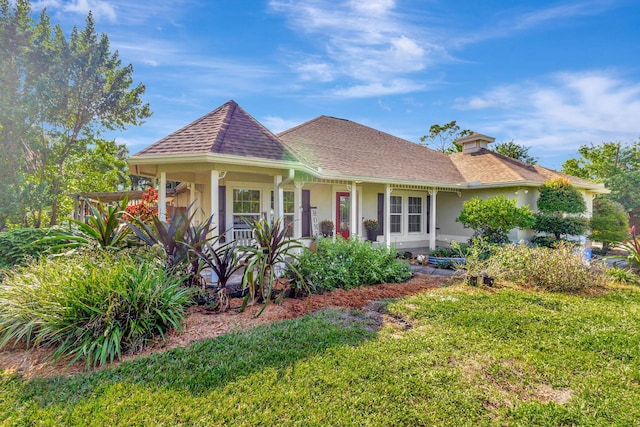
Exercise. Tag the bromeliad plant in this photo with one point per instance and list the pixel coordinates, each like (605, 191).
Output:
(224, 262)
(273, 254)
(633, 246)
(104, 229)
(180, 240)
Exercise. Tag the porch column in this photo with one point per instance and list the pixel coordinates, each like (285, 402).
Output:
(297, 218)
(214, 203)
(278, 197)
(162, 197)
(387, 215)
(432, 220)
(353, 230)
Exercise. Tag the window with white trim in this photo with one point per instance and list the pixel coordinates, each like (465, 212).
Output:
(395, 209)
(414, 215)
(288, 208)
(246, 207)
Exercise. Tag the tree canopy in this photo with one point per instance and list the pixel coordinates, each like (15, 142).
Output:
(560, 209)
(515, 151)
(616, 165)
(58, 94)
(443, 137)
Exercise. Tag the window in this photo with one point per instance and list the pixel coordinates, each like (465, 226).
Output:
(246, 207)
(395, 208)
(288, 207)
(415, 214)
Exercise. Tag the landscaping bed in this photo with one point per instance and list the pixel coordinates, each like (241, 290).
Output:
(202, 323)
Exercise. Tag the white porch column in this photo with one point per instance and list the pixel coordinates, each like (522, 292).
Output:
(162, 197)
(214, 203)
(297, 214)
(353, 230)
(432, 220)
(278, 197)
(387, 215)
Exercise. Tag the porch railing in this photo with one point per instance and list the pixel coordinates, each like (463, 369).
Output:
(243, 236)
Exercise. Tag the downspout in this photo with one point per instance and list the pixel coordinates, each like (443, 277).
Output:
(289, 179)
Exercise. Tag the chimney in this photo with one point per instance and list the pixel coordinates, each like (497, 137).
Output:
(474, 142)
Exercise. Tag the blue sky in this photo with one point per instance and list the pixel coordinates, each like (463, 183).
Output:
(552, 75)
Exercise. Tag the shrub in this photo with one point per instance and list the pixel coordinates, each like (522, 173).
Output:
(558, 270)
(346, 264)
(623, 275)
(609, 223)
(18, 246)
(90, 309)
(494, 218)
(560, 206)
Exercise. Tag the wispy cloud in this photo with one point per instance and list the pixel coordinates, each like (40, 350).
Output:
(516, 21)
(565, 110)
(368, 48)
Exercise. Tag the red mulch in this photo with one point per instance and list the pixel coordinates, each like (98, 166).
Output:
(201, 324)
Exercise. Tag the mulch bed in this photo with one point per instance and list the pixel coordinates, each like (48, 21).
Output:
(202, 324)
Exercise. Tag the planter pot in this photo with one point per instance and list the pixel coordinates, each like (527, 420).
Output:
(488, 280)
(372, 235)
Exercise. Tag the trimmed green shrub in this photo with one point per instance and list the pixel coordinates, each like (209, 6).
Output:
(493, 218)
(346, 264)
(557, 270)
(18, 246)
(90, 308)
(560, 209)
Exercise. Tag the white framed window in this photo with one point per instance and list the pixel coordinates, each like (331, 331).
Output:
(414, 214)
(246, 207)
(288, 208)
(395, 209)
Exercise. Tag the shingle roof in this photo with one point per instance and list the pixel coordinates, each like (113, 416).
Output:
(345, 148)
(489, 167)
(228, 130)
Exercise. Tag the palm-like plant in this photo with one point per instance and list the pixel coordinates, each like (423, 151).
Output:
(274, 252)
(633, 247)
(224, 262)
(179, 239)
(104, 229)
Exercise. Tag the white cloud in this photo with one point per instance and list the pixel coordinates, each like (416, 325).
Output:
(279, 124)
(365, 44)
(99, 8)
(565, 110)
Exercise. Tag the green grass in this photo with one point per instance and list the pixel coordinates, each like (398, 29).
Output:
(471, 357)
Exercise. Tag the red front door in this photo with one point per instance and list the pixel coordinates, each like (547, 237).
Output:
(343, 214)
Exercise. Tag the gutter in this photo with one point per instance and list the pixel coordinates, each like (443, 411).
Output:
(292, 174)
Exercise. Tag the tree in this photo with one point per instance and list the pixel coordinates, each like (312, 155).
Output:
(495, 217)
(66, 92)
(445, 136)
(515, 151)
(616, 165)
(560, 209)
(609, 223)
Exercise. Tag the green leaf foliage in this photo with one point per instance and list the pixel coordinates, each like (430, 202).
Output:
(615, 164)
(90, 307)
(345, 264)
(559, 195)
(495, 217)
(60, 91)
(20, 245)
(609, 223)
(560, 206)
(515, 151)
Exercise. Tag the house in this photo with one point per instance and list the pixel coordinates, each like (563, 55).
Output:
(335, 169)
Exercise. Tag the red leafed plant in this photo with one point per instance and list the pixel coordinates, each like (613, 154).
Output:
(147, 208)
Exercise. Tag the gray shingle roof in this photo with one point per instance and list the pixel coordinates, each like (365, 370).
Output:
(228, 130)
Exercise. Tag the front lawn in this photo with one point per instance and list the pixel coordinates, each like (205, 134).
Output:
(452, 356)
